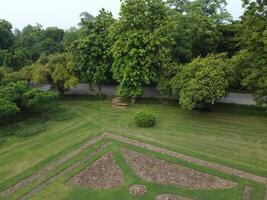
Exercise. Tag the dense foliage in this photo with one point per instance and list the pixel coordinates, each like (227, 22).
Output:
(145, 119)
(189, 49)
(91, 50)
(252, 59)
(202, 82)
(58, 70)
(141, 45)
(18, 97)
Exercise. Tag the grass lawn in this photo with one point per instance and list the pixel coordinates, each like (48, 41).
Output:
(222, 136)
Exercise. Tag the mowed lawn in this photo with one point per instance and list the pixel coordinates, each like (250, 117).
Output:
(222, 136)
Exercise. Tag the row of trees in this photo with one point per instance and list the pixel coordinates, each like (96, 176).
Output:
(191, 49)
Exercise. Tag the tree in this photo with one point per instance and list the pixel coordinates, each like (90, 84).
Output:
(52, 42)
(179, 5)
(7, 109)
(202, 82)
(34, 41)
(199, 34)
(29, 40)
(19, 96)
(252, 58)
(6, 35)
(214, 9)
(91, 50)
(57, 70)
(142, 47)
(14, 60)
(70, 36)
(86, 16)
(38, 100)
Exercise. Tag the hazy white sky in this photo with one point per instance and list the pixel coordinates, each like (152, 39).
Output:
(65, 13)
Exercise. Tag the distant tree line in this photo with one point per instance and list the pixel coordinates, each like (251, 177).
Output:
(190, 49)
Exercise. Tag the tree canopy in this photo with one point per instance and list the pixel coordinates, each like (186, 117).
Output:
(91, 50)
(193, 50)
(202, 82)
(140, 45)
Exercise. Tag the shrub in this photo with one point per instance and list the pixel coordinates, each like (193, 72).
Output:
(7, 109)
(145, 119)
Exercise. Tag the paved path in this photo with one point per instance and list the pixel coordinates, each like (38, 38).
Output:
(235, 98)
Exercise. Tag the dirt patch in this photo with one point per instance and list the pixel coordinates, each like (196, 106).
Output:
(246, 193)
(162, 172)
(137, 190)
(170, 197)
(120, 101)
(102, 174)
(180, 156)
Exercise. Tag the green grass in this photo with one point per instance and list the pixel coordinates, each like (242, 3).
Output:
(74, 192)
(232, 135)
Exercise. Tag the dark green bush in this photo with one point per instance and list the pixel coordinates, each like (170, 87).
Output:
(145, 119)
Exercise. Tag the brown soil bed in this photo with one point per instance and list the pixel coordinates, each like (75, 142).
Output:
(162, 172)
(137, 190)
(170, 197)
(102, 174)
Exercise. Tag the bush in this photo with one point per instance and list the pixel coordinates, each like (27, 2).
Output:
(145, 119)
(7, 109)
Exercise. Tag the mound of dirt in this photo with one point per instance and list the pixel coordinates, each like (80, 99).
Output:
(120, 101)
(102, 174)
(170, 197)
(137, 190)
(163, 172)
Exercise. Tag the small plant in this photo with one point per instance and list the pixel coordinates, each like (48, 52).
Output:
(145, 119)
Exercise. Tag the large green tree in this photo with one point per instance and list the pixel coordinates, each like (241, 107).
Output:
(91, 50)
(252, 37)
(6, 35)
(57, 70)
(34, 41)
(214, 9)
(141, 45)
(202, 82)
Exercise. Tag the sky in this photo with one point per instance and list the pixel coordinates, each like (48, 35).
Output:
(65, 13)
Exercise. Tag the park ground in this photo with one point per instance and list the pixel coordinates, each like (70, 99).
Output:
(234, 136)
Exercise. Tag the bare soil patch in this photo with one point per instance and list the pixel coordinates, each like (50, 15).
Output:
(163, 172)
(246, 193)
(102, 174)
(120, 101)
(170, 197)
(137, 190)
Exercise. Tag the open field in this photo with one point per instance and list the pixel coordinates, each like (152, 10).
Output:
(235, 140)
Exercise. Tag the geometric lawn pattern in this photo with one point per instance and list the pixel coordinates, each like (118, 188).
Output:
(162, 172)
(66, 167)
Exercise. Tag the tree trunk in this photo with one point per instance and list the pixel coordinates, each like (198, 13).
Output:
(133, 100)
(99, 86)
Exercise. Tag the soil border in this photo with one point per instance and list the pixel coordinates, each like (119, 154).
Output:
(26, 181)
(180, 156)
(72, 167)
